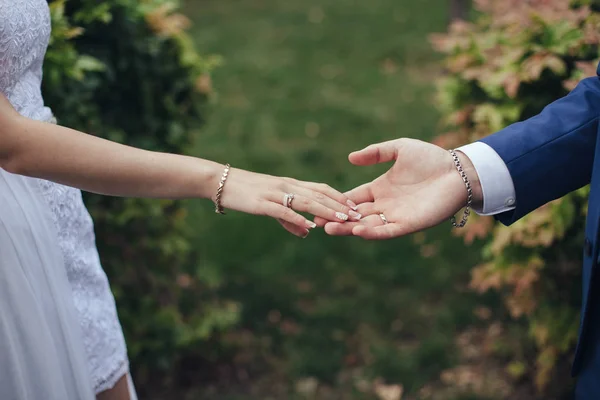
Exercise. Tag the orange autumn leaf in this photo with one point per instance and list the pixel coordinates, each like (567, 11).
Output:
(521, 305)
(511, 84)
(477, 228)
(450, 140)
(164, 22)
(484, 277)
(502, 238)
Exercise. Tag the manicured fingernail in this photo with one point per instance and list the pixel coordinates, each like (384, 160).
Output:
(311, 224)
(305, 235)
(341, 216)
(354, 215)
(352, 205)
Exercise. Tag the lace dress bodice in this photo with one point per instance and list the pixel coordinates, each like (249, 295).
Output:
(24, 35)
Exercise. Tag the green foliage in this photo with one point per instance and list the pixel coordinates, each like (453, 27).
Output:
(127, 71)
(513, 60)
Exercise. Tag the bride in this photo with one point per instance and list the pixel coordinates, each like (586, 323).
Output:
(60, 337)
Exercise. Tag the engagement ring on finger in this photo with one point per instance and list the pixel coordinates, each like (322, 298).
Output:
(287, 200)
(383, 218)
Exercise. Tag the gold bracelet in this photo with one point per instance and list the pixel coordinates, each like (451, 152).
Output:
(218, 206)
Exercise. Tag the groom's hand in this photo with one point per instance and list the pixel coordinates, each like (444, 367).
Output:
(422, 189)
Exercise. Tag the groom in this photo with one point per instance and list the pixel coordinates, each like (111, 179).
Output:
(510, 173)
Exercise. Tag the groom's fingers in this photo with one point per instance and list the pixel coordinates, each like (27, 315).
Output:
(361, 194)
(375, 154)
(320, 221)
(346, 228)
(337, 229)
(382, 232)
(366, 209)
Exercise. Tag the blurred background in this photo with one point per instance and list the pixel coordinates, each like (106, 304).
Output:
(235, 308)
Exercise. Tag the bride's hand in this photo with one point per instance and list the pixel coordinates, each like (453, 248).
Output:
(75, 159)
(261, 194)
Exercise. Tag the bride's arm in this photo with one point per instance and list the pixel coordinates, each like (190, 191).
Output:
(73, 158)
(93, 164)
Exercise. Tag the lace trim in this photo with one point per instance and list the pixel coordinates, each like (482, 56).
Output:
(110, 380)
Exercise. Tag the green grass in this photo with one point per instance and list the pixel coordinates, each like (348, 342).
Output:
(304, 83)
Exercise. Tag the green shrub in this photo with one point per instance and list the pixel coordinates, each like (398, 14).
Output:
(517, 57)
(126, 70)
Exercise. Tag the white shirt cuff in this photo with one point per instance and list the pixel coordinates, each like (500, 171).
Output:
(496, 183)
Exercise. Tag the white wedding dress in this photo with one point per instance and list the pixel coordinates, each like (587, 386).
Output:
(47, 235)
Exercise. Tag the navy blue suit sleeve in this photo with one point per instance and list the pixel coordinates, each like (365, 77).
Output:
(551, 154)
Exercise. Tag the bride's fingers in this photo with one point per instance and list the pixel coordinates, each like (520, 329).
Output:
(327, 201)
(311, 206)
(327, 191)
(346, 229)
(364, 209)
(294, 229)
(286, 214)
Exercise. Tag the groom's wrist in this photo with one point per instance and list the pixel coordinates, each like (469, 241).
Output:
(473, 178)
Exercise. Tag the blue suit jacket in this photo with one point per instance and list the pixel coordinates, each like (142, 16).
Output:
(551, 155)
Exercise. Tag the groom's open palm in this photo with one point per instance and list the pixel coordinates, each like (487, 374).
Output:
(421, 189)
